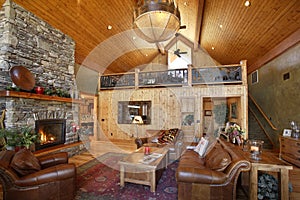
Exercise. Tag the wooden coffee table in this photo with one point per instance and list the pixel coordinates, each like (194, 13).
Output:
(133, 170)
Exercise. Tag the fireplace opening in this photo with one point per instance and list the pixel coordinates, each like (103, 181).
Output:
(52, 132)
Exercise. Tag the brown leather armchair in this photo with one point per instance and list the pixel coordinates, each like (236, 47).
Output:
(51, 177)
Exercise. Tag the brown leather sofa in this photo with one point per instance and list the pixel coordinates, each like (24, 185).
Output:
(24, 176)
(162, 138)
(212, 177)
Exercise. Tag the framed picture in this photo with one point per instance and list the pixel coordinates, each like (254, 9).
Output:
(287, 132)
(254, 77)
(207, 113)
(233, 111)
(188, 120)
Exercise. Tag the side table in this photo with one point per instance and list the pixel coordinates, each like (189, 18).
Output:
(269, 162)
(284, 177)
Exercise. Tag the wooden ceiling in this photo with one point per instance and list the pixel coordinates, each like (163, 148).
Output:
(250, 33)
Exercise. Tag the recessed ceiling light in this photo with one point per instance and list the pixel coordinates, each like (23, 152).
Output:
(185, 3)
(247, 3)
(133, 37)
(221, 26)
(213, 48)
(109, 27)
(146, 55)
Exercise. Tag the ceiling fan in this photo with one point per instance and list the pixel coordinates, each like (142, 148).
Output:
(177, 51)
(161, 48)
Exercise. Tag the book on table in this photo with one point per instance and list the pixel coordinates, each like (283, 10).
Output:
(150, 158)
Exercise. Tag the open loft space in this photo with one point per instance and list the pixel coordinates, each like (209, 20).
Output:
(149, 99)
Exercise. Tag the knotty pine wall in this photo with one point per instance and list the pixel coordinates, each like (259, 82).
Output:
(165, 109)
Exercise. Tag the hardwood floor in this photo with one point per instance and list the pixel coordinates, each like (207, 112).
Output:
(99, 148)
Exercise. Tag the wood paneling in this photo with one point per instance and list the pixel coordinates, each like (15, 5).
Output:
(166, 107)
(247, 33)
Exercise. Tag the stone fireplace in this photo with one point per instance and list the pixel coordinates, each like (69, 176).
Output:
(26, 40)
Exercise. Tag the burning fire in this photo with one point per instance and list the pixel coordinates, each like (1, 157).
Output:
(46, 138)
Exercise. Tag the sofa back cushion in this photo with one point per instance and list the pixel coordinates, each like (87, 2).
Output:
(24, 162)
(218, 158)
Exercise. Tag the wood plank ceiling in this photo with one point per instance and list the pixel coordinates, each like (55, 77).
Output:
(246, 32)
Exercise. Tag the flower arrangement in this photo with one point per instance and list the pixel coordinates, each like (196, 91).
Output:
(234, 132)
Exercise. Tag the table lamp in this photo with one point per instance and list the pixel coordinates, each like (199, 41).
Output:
(137, 120)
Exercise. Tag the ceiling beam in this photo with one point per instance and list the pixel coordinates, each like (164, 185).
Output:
(290, 41)
(198, 24)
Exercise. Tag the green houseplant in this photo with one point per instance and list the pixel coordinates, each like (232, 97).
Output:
(10, 138)
(23, 137)
(27, 137)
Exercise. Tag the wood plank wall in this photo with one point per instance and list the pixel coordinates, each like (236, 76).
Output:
(165, 109)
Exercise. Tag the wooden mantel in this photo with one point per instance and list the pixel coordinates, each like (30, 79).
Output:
(28, 95)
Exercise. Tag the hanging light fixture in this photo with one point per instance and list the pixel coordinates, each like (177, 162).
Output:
(156, 20)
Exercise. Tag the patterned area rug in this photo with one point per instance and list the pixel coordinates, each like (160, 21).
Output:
(100, 179)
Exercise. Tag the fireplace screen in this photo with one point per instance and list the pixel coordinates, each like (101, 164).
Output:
(52, 132)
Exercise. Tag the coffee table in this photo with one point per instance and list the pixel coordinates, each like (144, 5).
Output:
(134, 170)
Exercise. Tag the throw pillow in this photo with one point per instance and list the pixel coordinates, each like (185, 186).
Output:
(217, 159)
(24, 162)
(201, 147)
(211, 143)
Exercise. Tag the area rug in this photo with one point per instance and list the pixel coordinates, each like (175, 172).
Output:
(100, 179)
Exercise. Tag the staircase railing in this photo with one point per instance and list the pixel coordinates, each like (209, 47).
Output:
(262, 113)
(267, 126)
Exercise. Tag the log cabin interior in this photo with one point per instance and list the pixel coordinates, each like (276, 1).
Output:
(199, 66)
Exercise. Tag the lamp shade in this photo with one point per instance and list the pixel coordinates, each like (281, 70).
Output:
(156, 21)
(137, 120)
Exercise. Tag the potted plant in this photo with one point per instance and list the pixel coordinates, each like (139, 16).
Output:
(10, 137)
(18, 138)
(235, 133)
(27, 137)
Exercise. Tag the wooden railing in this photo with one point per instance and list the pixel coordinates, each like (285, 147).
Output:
(262, 113)
(225, 74)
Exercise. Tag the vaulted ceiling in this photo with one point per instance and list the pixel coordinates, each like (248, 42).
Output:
(227, 29)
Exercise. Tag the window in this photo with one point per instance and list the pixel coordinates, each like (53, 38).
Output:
(127, 110)
(179, 56)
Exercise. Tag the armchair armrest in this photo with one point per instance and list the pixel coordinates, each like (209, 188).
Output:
(51, 174)
(53, 159)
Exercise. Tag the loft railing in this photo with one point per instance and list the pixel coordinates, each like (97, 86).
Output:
(214, 75)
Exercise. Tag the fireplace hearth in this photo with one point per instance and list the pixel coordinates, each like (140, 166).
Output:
(52, 132)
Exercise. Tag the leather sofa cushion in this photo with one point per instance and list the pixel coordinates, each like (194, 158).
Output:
(24, 162)
(217, 159)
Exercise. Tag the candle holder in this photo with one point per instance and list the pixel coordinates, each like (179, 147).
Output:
(147, 150)
(255, 147)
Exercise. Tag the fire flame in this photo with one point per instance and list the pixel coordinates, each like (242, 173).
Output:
(46, 139)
